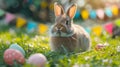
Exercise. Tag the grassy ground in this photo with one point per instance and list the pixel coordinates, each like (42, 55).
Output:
(36, 43)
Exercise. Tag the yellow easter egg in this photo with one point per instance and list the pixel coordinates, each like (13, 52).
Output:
(85, 14)
(115, 10)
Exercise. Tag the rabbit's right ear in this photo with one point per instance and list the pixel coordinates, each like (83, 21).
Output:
(72, 10)
(58, 10)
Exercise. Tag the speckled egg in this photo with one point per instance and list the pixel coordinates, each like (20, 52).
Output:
(38, 60)
(11, 55)
(17, 47)
(99, 46)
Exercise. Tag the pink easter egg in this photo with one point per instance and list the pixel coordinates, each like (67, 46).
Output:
(38, 60)
(100, 13)
(99, 46)
(109, 27)
(11, 55)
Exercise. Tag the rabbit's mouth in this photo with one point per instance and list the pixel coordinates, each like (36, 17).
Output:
(61, 34)
(58, 33)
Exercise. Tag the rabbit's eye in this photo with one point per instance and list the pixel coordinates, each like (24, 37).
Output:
(67, 22)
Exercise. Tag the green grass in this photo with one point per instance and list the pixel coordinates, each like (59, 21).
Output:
(36, 43)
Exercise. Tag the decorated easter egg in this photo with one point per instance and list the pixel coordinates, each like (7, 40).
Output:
(85, 14)
(38, 60)
(108, 12)
(77, 15)
(115, 10)
(12, 55)
(99, 46)
(100, 13)
(93, 14)
(17, 47)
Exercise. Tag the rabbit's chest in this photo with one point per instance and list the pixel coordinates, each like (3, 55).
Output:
(69, 43)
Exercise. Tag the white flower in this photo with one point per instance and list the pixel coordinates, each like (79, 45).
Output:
(106, 44)
(87, 57)
(34, 39)
(105, 60)
(87, 65)
(7, 42)
(118, 48)
(108, 66)
(97, 39)
(82, 65)
(30, 45)
(42, 37)
(76, 65)
(110, 61)
(12, 31)
(0, 40)
(37, 37)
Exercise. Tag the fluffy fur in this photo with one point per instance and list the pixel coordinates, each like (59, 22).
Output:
(65, 35)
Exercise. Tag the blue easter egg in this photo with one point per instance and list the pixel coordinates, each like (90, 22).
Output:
(77, 15)
(108, 12)
(93, 14)
(17, 47)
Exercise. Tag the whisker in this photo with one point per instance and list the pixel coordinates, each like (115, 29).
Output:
(70, 40)
(74, 38)
(61, 28)
(63, 47)
(56, 28)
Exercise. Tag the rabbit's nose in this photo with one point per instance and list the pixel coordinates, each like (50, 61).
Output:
(59, 29)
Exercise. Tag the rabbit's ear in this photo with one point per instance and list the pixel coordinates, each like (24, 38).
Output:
(71, 11)
(58, 10)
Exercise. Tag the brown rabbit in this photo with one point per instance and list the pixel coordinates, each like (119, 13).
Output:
(64, 34)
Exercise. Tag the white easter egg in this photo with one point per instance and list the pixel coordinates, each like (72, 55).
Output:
(38, 60)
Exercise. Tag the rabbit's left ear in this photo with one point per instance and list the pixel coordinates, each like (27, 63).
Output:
(72, 10)
(58, 10)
